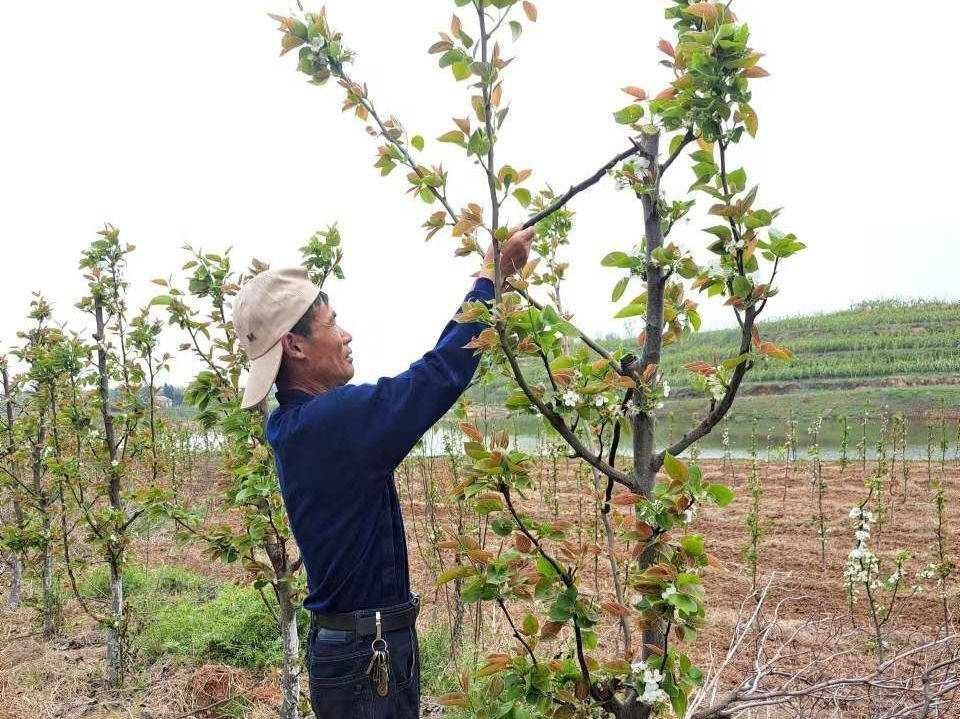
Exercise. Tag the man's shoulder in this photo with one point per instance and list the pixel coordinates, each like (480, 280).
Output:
(317, 411)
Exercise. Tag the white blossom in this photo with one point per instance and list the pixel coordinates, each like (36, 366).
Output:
(570, 398)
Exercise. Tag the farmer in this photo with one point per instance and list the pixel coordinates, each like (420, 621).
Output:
(337, 445)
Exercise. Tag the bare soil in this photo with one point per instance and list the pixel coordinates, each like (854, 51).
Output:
(62, 678)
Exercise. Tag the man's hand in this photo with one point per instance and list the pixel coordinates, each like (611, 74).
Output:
(513, 254)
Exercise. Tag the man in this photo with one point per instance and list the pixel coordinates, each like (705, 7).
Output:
(337, 445)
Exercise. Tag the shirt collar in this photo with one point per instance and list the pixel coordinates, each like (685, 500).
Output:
(293, 396)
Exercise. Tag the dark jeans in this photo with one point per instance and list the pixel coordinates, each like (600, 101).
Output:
(339, 686)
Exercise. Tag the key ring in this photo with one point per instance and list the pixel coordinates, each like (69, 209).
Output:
(378, 638)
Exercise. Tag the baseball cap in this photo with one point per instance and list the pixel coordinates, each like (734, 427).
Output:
(266, 308)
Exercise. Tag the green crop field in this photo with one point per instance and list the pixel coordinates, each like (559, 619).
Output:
(902, 353)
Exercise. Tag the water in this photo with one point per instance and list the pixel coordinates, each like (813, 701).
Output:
(529, 435)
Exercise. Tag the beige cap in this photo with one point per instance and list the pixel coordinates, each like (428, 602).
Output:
(266, 308)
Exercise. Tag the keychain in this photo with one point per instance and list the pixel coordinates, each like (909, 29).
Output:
(379, 667)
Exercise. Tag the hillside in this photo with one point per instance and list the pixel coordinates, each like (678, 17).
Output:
(902, 354)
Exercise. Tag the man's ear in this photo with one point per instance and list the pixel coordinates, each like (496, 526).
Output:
(292, 345)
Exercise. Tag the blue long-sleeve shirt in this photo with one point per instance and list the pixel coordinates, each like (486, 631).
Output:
(336, 453)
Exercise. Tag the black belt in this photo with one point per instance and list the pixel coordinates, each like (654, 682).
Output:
(364, 621)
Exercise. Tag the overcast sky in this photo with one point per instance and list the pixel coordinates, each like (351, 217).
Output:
(178, 123)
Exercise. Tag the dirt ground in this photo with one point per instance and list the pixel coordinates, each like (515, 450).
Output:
(60, 679)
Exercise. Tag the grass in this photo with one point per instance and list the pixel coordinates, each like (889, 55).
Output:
(181, 613)
(864, 347)
(177, 612)
(234, 627)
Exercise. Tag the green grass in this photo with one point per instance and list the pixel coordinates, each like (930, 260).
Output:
(837, 355)
(179, 613)
(176, 612)
(234, 627)
(868, 341)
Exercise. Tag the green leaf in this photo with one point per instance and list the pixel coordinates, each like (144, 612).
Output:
(618, 259)
(630, 311)
(629, 115)
(693, 544)
(522, 195)
(448, 575)
(721, 231)
(515, 29)
(461, 70)
(741, 286)
(737, 180)
(486, 506)
(564, 606)
(749, 119)
(674, 468)
(454, 136)
(620, 288)
(531, 625)
(417, 142)
(475, 450)
(518, 400)
(675, 143)
(734, 362)
(721, 494)
(473, 591)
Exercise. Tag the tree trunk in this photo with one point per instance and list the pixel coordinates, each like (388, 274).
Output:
(115, 629)
(16, 580)
(289, 678)
(643, 423)
(46, 583)
(117, 621)
(16, 557)
(46, 557)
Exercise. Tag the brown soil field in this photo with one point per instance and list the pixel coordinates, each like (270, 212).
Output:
(59, 679)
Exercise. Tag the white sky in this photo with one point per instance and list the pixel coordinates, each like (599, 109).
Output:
(178, 123)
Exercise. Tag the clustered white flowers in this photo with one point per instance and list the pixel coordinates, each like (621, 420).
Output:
(863, 566)
(652, 693)
(930, 573)
(317, 55)
(571, 398)
(637, 165)
(732, 246)
(716, 386)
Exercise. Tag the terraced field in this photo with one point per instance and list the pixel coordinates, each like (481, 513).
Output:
(905, 355)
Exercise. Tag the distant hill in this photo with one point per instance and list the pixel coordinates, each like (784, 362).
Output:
(897, 353)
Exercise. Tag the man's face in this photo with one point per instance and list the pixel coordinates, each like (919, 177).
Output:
(326, 354)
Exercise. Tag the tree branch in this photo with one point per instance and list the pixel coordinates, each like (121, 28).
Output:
(581, 186)
(556, 421)
(719, 410)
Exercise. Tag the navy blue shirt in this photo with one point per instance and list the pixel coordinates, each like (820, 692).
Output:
(336, 453)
